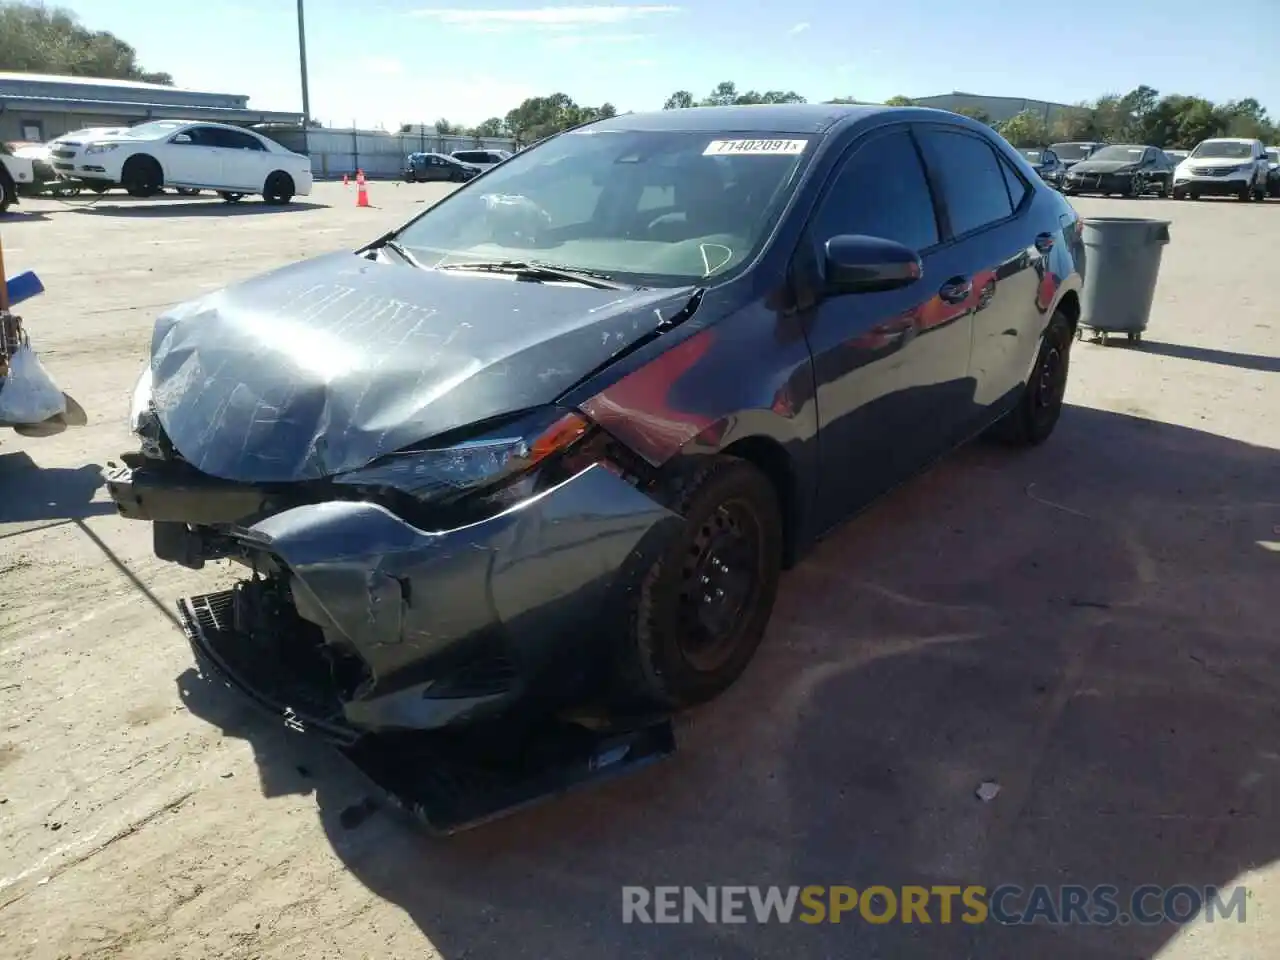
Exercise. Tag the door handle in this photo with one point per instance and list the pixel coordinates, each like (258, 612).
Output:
(1044, 242)
(956, 290)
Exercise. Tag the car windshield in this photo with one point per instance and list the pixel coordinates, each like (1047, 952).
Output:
(156, 128)
(1032, 155)
(1072, 151)
(1124, 152)
(655, 208)
(1226, 149)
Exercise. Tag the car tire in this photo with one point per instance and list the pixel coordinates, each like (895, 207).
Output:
(1032, 421)
(142, 176)
(1246, 193)
(188, 192)
(1274, 189)
(702, 608)
(8, 191)
(230, 196)
(1260, 191)
(279, 188)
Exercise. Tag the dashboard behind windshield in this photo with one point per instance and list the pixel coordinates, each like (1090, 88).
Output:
(653, 208)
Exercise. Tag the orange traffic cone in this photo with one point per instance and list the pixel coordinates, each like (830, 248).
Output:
(362, 194)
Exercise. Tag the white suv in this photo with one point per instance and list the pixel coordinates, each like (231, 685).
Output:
(186, 154)
(1223, 167)
(481, 159)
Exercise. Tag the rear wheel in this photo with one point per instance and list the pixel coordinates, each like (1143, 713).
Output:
(188, 192)
(278, 189)
(230, 197)
(1032, 421)
(702, 608)
(142, 176)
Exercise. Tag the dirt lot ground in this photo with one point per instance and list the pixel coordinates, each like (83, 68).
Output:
(1091, 625)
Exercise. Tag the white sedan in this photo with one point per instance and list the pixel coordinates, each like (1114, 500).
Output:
(186, 154)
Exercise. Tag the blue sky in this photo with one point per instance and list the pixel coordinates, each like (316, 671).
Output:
(393, 61)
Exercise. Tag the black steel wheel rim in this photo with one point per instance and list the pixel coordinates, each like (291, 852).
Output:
(720, 585)
(1051, 377)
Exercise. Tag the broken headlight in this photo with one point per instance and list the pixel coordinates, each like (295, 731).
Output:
(140, 408)
(492, 458)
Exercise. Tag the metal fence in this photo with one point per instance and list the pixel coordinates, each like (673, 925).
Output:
(334, 152)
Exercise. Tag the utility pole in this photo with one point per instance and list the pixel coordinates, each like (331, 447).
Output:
(302, 62)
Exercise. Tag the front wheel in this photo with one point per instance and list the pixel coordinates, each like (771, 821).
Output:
(230, 197)
(702, 608)
(1032, 421)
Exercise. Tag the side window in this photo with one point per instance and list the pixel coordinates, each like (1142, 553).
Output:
(1017, 187)
(972, 180)
(199, 137)
(881, 192)
(241, 141)
(1050, 157)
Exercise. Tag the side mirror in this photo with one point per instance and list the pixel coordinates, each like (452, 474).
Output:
(182, 138)
(860, 264)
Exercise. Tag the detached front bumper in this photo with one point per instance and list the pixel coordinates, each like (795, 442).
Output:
(1099, 182)
(448, 627)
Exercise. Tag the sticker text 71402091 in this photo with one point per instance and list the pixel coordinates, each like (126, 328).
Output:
(720, 148)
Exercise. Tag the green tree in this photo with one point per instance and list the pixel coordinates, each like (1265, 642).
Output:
(540, 117)
(1027, 129)
(37, 39)
(898, 101)
(493, 127)
(679, 100)
(1079, 122)
(975, 113)
(446, 129)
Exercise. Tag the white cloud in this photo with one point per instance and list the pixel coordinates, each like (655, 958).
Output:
(591, 39)
(800, 27)
(543, 17)
(382, 66)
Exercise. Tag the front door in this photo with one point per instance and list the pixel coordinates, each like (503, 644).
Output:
(193, 158)
(884, 363)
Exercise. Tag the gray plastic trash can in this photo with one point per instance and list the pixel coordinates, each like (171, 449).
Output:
(1121, 265)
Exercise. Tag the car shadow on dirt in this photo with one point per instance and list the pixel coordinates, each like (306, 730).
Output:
(30, 493)
(1089, 626)
(250, 206)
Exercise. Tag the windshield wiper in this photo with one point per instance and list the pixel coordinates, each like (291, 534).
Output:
(535, 271)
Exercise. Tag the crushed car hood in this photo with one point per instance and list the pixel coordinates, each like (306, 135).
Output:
(320, 367)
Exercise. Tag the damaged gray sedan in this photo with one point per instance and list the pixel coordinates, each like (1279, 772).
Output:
(518, 479)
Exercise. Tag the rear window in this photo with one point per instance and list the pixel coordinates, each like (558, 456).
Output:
(471, 156)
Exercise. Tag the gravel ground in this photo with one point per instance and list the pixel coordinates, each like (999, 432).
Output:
(1088, 625)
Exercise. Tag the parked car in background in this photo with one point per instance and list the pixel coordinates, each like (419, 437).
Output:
(1072, 152)
(189, 155)
(480, 159)
(518, 498)
(1223, 167)
(17, 174)
(1177, 156)
(427, 167)
(1046, 163)
(1125, 169)
(1273, 172)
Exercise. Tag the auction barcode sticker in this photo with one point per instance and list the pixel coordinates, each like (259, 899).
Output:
(720, 148)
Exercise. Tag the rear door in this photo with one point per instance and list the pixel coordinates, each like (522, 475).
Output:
(244, 160)
(992, 257)
(885, 362)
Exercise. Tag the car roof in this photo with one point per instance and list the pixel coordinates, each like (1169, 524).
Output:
(1227, 140)
(758, 118)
